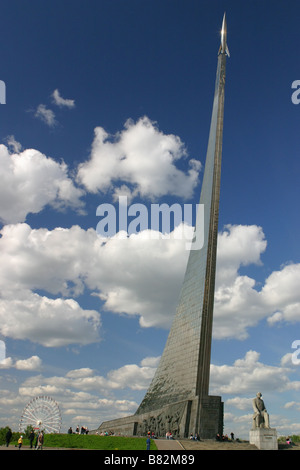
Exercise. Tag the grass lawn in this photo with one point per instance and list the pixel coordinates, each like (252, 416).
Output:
(86, 441)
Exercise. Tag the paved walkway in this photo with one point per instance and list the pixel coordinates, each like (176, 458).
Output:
(168, 444)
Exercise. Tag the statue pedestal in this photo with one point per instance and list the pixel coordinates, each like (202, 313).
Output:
(264, 438)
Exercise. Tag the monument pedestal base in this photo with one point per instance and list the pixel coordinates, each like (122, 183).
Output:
(200, 415)
(264, 438)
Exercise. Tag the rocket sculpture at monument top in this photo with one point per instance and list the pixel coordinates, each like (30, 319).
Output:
(223, 47)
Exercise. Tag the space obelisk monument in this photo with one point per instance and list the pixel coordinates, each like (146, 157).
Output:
(178, 399)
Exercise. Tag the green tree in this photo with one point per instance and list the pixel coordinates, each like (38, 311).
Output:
(27, 431)
(3, 432)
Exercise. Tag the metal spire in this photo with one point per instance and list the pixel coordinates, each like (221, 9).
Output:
(223, 47)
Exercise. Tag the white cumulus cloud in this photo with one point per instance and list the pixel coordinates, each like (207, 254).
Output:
(137, 275)
(50, 322)
(30, 181)
(248, 376)
(141, 160)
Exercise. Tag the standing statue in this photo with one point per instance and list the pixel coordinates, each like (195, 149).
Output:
(260, 417)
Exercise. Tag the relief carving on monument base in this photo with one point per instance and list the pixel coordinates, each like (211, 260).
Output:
(166, 421)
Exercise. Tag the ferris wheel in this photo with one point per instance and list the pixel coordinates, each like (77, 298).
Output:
(41, 413)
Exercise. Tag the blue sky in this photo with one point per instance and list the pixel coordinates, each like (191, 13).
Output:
(114, 97)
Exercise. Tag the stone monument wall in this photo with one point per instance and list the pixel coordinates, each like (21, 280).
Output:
(179, 418)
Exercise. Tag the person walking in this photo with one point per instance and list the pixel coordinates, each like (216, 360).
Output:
(8, 437)
(31, 437)
(20, 442)
(40, 441)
